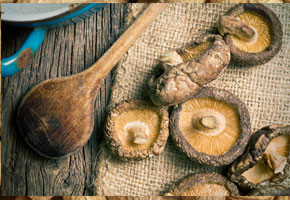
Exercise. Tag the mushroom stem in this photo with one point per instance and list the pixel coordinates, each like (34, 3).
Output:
(171, 58)
(140, 139)
(209, 122)
(234, 26)
(140, 136)
(274, 160)
(138, 131)
(205, 123)
(193, 52)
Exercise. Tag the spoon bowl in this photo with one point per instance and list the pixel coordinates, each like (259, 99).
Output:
(56, 117)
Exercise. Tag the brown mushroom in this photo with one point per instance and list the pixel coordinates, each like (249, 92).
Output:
(182, 74)
(203, 198)
(212, 128)
(83, 198)
(134, 198)
(283, 197)
(137, 129)
(204, 184)
(275, 190)
(266, 161)
(238, 27)
(250, 198)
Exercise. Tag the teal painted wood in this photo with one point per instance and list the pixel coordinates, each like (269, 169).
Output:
(14, 63)
(23, 56)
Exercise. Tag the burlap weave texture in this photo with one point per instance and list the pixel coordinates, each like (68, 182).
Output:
(265, 89)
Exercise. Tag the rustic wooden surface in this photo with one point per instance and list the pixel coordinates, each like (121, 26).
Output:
(65, 51)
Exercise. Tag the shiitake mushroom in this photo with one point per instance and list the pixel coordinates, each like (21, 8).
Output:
(266, 160)
(203, 184)
(212, 128)
(250, 198)
(275, 190)
(134, 198)
(257, 48)
(202, 198)
(182, 74)
(137, 129)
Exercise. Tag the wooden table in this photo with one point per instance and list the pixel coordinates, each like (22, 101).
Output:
(65, 51)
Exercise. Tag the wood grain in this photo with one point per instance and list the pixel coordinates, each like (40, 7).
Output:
(65, 51)
(56, 117)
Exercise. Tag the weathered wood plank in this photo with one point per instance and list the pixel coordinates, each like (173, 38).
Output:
(66, 50)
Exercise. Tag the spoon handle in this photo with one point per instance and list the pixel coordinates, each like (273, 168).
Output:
(107, 62)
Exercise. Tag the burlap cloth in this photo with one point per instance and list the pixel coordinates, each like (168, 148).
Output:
(265, 89)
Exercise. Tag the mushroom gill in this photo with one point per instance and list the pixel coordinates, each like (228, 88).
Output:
(210, 126)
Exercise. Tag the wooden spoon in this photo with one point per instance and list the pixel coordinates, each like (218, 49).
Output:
(56, 117)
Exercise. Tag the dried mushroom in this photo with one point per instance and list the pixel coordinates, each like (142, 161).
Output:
(253, 32)
(137, 129)
(182, 74)
(266, 160)
(134, 198)
(275, 190)
(212, 128)
(250, 198)
(283, 197)
(204, 184)
(203, 198)
(84, 198)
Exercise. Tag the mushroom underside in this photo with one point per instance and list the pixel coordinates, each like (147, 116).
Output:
(273, 161)
(203, 184)
(212, 128)
(266, 159)
(137, 129)
(206, 123)
(238, 27)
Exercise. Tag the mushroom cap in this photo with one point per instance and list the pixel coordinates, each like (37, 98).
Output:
(276, 33)
(176, 84)
(204, 184)
(133, 198)
(275, 190)
(201, 198)
(253, 155)
(125, 114)
(238, 147)
(250, 198)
